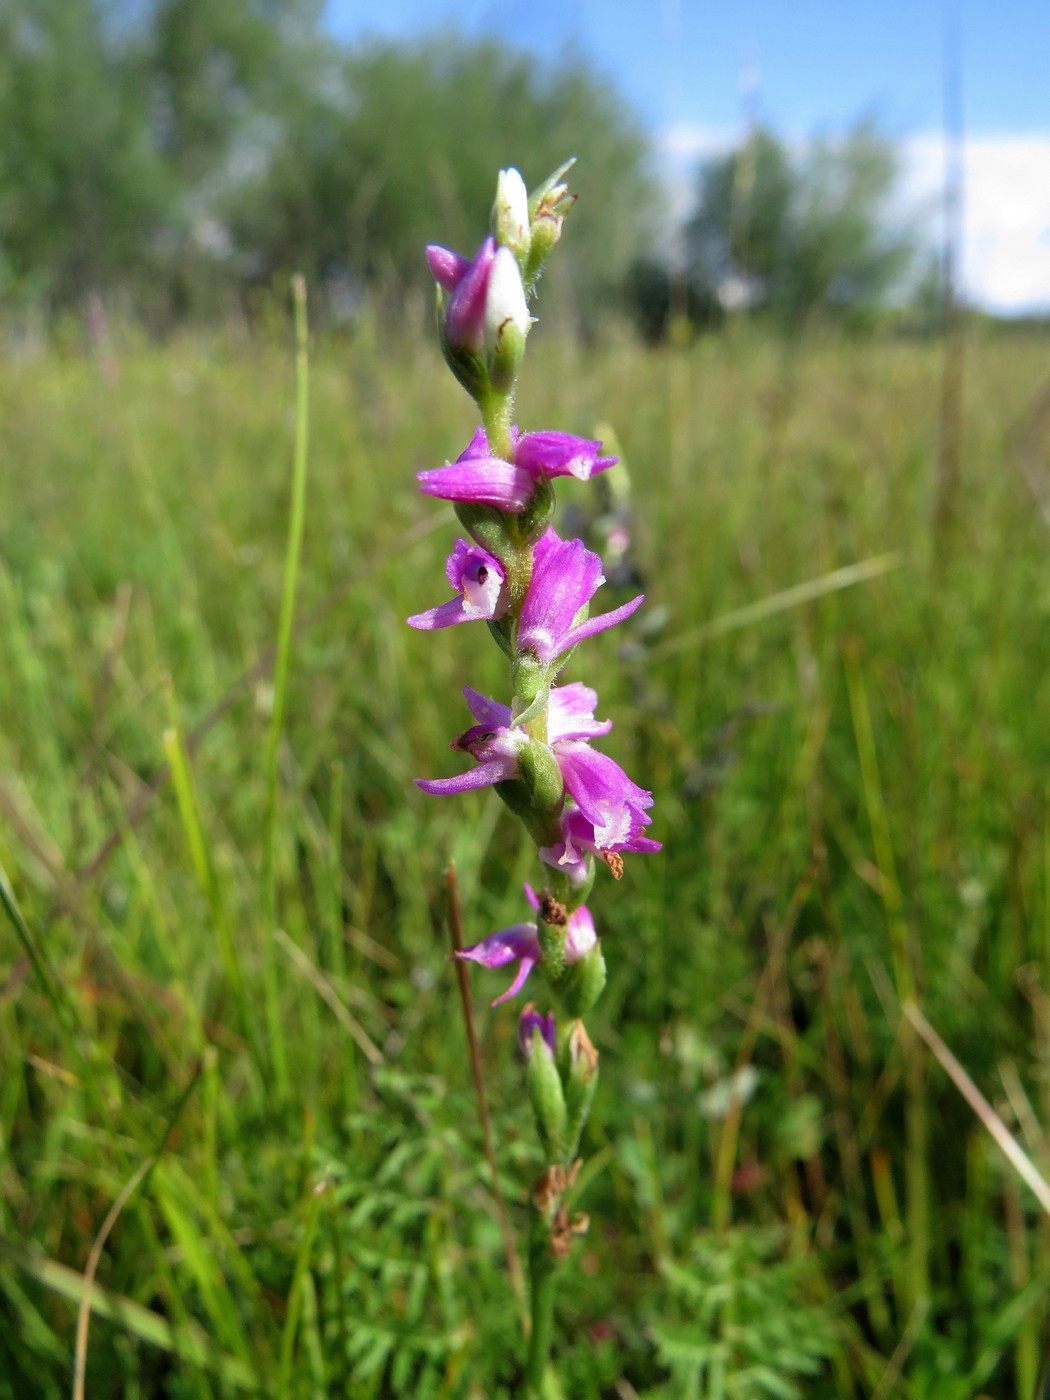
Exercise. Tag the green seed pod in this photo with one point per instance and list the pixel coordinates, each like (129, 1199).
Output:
(584, 982)
(540, 772)
(552, 947)
(580, 1071)
(547, 1096)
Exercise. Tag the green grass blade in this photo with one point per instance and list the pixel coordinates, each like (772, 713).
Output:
(190, 1343)
(274, 1020)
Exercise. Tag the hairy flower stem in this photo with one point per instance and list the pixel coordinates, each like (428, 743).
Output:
(496, 412)
(541, 1299)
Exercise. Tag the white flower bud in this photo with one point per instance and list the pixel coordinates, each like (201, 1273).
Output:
(510, 213)
(505, 307)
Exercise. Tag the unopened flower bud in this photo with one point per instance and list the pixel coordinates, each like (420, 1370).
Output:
(548, 205)
(532, 1024)
(467, 317)
(462, 287)
(510, 214)
(507, 320)
(545, 1091)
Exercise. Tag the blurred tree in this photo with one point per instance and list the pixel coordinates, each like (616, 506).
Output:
(81, 188)
(656, 297)
(738, 230)
(805, 236)
(180, 150)
(398, 146)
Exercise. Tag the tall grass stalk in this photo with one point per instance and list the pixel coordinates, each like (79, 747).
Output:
(296, 524)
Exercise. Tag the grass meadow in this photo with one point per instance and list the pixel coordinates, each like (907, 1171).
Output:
(234, 1079)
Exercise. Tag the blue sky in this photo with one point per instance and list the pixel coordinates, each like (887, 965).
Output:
(819, 65)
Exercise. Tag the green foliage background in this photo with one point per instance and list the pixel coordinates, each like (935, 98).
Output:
(173, 158)
(833, 779)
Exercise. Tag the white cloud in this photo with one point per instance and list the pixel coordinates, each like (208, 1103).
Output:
(1006, 214)
(1006, 204)
(686, 144)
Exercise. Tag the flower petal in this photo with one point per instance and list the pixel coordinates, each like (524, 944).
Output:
(483, 776)
(465, 316)
(504, 299)
(446, 266)
(487, 481)
(520, 942)
(564, 580)
(507, 945)
(571, 714)
(532, 1021)
(580, 936)
(561, 454)
(524, 968)
(487, 711)
(445, 615)
(580, 840)
(611, 802)
(597, 624)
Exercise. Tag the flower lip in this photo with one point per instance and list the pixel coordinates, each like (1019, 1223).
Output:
(478, 578)
(580, 839)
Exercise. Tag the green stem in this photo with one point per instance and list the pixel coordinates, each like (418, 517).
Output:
(496, 413)
(541, 1301)
(271, 979)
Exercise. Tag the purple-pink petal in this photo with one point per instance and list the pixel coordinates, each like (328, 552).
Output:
(444, 615)
(570, 714)
(465, 316)
(544, 547)
(486, 710)
(507, 945)
(593, 625)
(518, 943)
(483, 776)
(561, 454)
(606, 796)
(478, 446)
(486, 481)
(564, 580)
(446, 266)
(495, 749)
(532, 1021)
